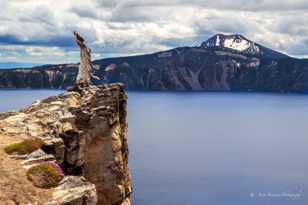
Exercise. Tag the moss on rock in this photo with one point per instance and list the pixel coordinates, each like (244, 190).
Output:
(45, 175)
(25, 147)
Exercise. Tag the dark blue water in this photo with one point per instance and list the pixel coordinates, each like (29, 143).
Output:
(212, 148)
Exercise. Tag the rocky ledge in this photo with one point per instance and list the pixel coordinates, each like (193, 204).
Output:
(85, 133)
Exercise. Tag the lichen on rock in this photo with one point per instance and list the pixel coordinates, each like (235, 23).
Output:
(25, 147)
(45, 175)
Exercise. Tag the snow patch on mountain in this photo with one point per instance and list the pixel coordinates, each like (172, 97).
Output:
(217, 40)
(234, 42)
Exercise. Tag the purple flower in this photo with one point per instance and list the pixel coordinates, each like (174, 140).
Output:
(56, 166)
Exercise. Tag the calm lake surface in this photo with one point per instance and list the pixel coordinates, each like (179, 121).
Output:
(212, 148)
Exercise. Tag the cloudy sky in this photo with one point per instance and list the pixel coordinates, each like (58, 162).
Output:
(40, 31)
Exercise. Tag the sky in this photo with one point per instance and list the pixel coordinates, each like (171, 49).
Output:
(40, 31)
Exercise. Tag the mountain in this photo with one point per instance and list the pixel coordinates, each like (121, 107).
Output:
(239, 44)
(222, 63)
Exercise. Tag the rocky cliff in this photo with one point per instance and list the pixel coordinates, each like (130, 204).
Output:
(85, 132)
(222, 63)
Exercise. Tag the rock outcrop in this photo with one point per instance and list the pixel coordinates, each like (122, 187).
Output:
(86, 133)
(222, 63)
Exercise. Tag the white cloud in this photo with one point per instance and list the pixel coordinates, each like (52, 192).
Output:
(40, 30)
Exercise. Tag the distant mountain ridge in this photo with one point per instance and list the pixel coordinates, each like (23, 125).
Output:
(10, 64)
(222, 63)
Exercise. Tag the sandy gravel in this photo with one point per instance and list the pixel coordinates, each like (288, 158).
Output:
(14, 186)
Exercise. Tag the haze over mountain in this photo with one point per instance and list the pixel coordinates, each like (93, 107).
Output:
(222, 63)
(9, 64)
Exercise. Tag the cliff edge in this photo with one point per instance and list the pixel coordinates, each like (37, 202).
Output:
(83, 133)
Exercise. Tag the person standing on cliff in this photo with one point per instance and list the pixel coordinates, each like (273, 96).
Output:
(85, 71)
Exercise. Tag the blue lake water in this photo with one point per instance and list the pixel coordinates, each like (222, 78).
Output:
(212, 148)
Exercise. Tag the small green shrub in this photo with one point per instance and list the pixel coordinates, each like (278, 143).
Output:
(45, 175)
(25, 147)
(123, 96)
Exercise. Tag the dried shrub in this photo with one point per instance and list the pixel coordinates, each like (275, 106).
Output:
(45, 175)
(25, 147)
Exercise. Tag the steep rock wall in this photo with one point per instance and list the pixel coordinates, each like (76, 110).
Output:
(85, 132)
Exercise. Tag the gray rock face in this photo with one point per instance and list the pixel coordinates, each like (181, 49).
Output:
(74, 190)
(86, 133)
